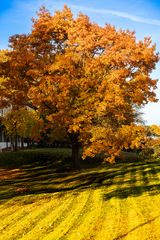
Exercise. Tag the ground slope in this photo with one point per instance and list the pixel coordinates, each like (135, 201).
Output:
(44, 200)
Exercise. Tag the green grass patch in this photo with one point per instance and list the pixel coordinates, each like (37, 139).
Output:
(42, 197)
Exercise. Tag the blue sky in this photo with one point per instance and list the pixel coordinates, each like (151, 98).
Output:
(142, 16)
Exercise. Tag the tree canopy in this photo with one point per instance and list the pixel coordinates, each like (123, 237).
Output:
(83, 78)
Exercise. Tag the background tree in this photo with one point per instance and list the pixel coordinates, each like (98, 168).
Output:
(82, 77)
(21, 123)
(3, 60)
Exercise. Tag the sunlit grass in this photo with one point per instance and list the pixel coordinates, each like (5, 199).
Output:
(41, 198)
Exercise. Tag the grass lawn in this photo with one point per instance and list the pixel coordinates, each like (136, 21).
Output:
(41, 198)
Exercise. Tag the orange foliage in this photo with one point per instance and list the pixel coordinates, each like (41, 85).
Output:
(82, 77)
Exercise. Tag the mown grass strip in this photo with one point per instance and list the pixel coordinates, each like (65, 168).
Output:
(106, 226)
(7, 210)
(10, 221)
(42, 225)
(87, 217)
(25, 224)
(122, 192)
(140, 226)
(113, 219)
(149, 208)
(66, 224)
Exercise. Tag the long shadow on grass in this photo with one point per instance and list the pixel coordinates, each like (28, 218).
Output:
(118, 180)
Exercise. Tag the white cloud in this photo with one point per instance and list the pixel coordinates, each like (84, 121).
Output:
(125, 15)
(29, 7)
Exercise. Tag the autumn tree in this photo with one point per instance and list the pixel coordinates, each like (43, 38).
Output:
(83, 78)
(153, 133)
(3, 60)
(21, 123)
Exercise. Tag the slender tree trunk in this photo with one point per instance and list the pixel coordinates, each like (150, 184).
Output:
(16, 143)
(22, 142)
(7, 142)
(12, 143)
(75, 152)
(28, 142)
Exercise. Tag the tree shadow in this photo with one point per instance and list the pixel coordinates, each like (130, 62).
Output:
(119, 180)
(132, 191)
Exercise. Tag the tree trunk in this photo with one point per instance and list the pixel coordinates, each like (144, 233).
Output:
(28, 143)
(12, 143)
(22, 142)
(16, 143)
(7, 142)
(75, 152)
